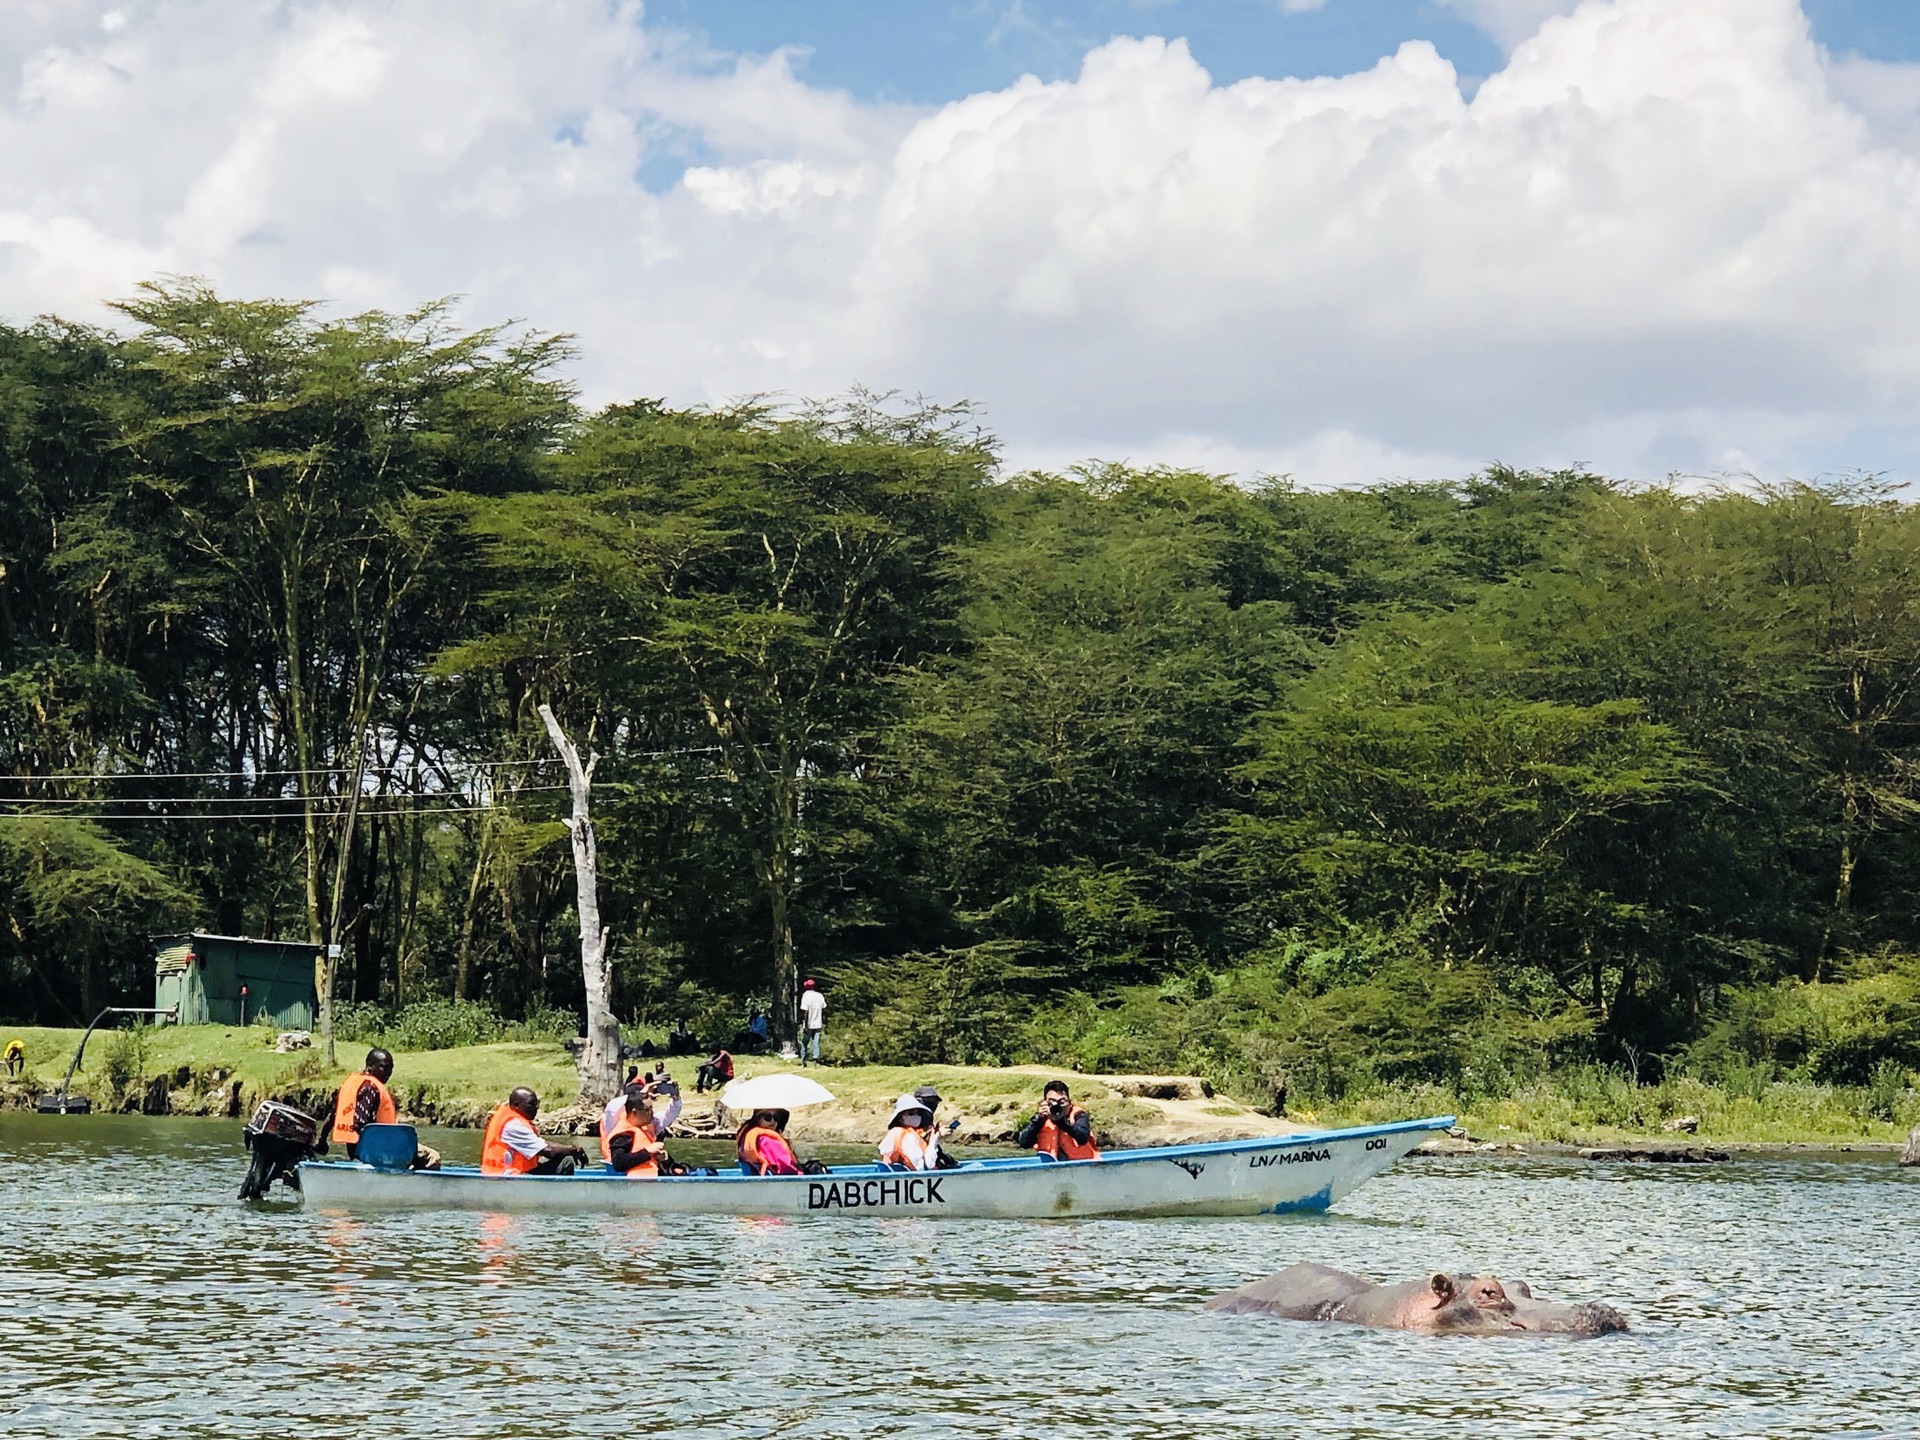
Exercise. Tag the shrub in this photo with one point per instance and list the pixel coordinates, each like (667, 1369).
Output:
(1835, 1032)
(446, 1025)
(126, 1059)
(1886, 1092)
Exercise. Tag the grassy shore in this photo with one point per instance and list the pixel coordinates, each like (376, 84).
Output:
(210, 1069)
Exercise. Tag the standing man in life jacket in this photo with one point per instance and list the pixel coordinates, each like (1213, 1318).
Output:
(512, 1146)
(363, 1099)
(1060, 1129)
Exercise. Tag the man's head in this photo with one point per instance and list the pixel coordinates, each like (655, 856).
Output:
(808, 985)
(639, 1102)
(524, 1101)
(380, 1065)
(1054, 1093)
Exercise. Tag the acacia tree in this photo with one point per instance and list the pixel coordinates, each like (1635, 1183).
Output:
(745, 585)
(293, 452)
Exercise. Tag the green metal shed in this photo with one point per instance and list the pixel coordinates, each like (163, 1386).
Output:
(205, 975)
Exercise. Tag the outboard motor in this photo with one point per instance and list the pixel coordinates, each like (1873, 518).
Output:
(280, 1137)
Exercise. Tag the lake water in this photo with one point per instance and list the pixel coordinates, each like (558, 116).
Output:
(138, 1298)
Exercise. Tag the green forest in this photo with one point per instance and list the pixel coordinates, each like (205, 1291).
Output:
(1424, 783)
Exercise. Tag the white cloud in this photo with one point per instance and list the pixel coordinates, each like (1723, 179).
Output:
(1668, 234)
(1511, 21)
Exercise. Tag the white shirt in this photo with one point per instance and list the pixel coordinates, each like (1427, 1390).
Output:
(813, 1005)
(909, 1148)
(663, 1115)
(521, 1138)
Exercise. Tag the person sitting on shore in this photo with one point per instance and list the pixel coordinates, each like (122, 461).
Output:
(634, 1147)
(908, 1144)
(762, 1147)
(664, 1114)
(512, 1146)
(715, 1073)
(1060, 1129)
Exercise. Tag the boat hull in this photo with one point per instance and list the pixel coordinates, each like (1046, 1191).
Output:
(1276, 1175)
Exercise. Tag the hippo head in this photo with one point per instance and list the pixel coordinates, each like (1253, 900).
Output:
(1470, 1305)
(1549, 1317)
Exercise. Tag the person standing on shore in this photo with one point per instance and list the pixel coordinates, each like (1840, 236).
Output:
(16, 1057)
(813, 1021)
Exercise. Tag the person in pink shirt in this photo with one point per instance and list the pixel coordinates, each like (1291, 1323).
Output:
(762, 1149)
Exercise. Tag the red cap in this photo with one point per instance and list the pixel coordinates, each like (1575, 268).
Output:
(807, 986)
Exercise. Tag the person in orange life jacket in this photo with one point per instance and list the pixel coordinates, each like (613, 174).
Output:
(664, 1114)
(929, 1099)
(362, 1100)
(909, 1144)
(1060, 1129)
(762, 1148)
(512, 1146)
(633, 1147)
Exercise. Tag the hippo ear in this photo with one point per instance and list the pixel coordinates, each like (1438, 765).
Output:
(1442, 1289)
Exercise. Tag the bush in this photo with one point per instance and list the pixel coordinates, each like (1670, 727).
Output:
(1257, 1030)
(126, 1061)
(1886, 1092)
(1836, 1033)
(447, 1025)
(947, 1007)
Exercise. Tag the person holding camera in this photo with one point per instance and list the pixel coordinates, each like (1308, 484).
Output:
(663, 1097)
(1060, 1129)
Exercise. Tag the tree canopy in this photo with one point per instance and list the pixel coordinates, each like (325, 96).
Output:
(1030, 765)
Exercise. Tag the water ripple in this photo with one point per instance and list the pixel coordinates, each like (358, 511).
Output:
(1768, 1298)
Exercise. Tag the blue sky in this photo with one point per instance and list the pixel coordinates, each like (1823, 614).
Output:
(935, 51)
(1659, 237)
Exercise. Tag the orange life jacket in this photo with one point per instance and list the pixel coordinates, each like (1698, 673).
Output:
(349, 1096)
(496, 1156)
(748, 1148)
(906, 1146)
(644, 1143)
(1054, 1141)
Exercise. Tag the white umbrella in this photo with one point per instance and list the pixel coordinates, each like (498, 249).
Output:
(774, 1092)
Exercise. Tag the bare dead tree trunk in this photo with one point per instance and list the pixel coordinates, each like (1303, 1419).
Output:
(599, 1059)
(336, 941)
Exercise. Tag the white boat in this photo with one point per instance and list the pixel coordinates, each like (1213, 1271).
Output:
(1276, 1175)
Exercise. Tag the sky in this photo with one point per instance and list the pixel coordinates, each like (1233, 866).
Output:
(1342, 240)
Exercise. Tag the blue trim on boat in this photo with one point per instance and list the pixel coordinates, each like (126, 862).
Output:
(1315, 1204)
(1011, 1162)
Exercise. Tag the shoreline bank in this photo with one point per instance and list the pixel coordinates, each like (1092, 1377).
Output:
(226, 1071)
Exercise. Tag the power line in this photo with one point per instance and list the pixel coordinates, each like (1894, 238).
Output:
(263, 815)
(267, 774)
(292, 800)
(464, 765)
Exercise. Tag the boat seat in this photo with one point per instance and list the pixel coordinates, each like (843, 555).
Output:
(389, 1147)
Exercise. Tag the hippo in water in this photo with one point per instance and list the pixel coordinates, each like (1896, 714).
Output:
(1439, 1305)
